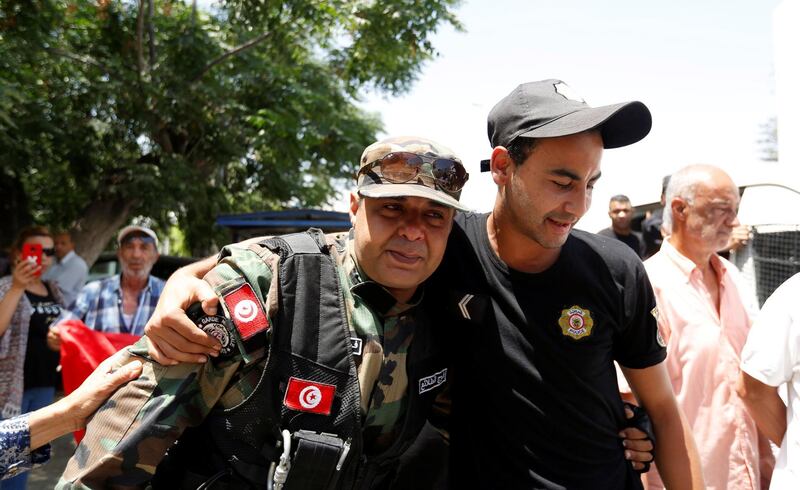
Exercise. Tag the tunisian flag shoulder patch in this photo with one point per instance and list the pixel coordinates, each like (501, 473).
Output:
(309, 396)
(246, 311)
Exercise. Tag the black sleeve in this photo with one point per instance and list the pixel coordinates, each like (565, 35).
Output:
(638, 344)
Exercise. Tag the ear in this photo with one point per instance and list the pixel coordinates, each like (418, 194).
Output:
(354, 204)
(501, 165)
(679, 209)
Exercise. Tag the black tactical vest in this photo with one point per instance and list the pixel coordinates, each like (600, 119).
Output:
(309, 339)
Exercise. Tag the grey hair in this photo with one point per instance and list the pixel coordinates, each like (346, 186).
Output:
(683, 184)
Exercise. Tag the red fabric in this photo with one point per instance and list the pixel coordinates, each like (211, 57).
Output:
(246, 312)
(309, 396)
(82, 350)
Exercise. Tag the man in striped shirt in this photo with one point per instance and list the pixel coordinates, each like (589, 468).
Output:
(124, 302)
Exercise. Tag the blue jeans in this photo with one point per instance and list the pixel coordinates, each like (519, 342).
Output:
(32, 399)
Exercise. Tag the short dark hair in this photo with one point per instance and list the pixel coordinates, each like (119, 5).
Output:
(65, 232)
(665, 184)
(26, 233)
(619, 198)
(520, 149)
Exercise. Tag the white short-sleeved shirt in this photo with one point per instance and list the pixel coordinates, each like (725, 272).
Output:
(772, 356)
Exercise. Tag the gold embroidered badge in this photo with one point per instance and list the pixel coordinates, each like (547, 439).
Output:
(576, 322)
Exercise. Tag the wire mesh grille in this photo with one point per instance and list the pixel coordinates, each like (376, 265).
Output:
(770, 258)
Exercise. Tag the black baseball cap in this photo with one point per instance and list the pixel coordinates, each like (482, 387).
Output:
(549, 108)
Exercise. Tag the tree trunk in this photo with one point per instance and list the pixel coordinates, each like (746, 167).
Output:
(99, 225)
(14, 208)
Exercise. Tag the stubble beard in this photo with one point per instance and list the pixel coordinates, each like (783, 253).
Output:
(526, 222)
(140, 274)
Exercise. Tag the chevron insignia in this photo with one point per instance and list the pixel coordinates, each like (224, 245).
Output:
(462, 305)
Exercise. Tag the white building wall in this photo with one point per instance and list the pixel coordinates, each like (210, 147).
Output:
(786, 27)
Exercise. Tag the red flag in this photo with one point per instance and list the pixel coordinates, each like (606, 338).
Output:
(309, 396)
(246, 311)
(82, 350)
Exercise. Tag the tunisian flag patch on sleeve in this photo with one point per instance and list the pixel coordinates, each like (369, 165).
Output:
(309, 396)
(246, 311)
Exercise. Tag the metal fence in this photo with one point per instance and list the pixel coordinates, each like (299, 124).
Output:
(771, 257)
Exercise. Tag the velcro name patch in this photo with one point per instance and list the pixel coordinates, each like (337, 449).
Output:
(434, 380)
(246, 311)
(309, 396)
(356, 346)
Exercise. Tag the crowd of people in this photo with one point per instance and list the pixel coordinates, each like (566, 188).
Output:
(45, 289)
(429, 346)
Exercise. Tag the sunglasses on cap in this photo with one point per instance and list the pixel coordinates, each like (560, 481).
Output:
(402, 166)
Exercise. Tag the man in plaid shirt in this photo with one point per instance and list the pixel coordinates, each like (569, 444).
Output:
(122, 303)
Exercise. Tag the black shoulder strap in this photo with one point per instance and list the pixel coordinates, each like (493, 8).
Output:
(309, 364)
(305, 242)
(310, 345)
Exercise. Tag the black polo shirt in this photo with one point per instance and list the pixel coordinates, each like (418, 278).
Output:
(535, 398)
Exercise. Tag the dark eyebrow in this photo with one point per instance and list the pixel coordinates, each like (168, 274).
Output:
(562, 172)
(403, 199)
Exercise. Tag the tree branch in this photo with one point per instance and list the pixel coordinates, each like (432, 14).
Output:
(151, 34)
(139, 38)
(233, 52)
(86, 60)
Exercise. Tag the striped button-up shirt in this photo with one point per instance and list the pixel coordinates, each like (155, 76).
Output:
(99, 306)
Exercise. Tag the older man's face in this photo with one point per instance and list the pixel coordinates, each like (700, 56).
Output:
(713, 213)
(137, 256)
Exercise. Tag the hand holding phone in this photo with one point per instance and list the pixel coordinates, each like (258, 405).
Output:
(32, 252)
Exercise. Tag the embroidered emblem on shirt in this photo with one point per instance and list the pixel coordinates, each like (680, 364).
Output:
(430, 382)
(654, 312)
(214, 325)
(576, 322)
(462, 305)
(309, 396)
(246, 313)
(660, 339)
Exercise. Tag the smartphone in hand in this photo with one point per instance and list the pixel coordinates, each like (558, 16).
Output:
(32, 252)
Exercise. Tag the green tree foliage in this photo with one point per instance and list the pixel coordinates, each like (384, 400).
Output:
(112, 109)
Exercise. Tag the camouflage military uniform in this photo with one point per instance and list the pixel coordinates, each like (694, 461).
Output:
(130, 434)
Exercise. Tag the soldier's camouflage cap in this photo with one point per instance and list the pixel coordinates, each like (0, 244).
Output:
(370, 184)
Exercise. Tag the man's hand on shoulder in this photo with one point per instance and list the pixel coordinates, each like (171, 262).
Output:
(171, 336)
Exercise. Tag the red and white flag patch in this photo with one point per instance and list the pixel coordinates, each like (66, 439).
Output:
(309, 396)
(246, 311)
